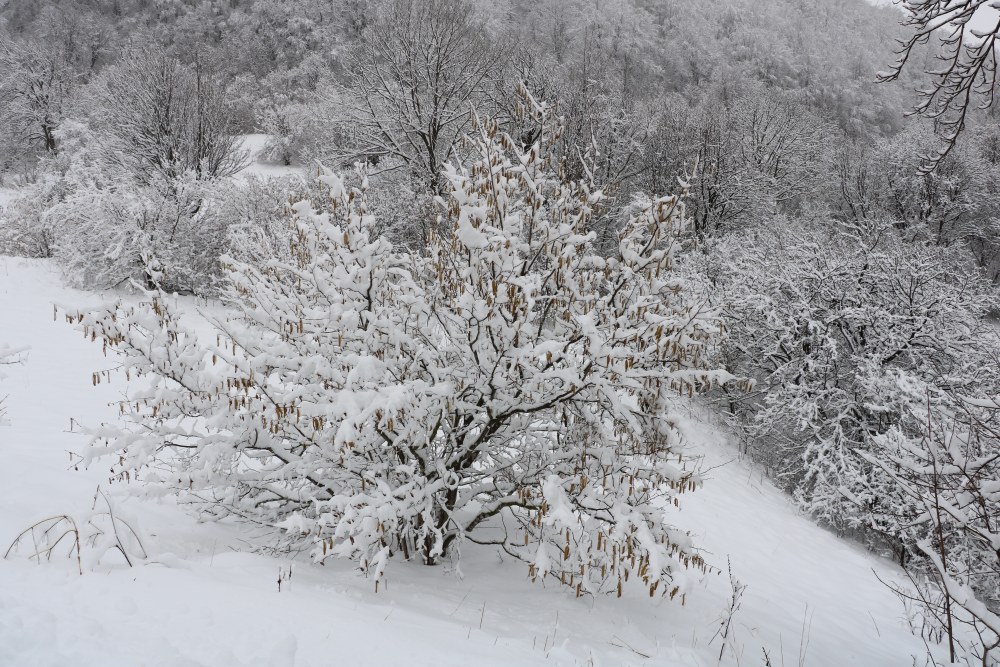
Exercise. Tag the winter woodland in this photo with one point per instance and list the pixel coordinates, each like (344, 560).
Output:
(383, 282)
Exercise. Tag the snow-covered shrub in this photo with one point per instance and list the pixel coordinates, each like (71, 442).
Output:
(107, 229)
(254, 214)
(25, 229)
(294, 110)
(165, 234)
(507, 385)
(133, 196)
(835, 324)
(947, 464)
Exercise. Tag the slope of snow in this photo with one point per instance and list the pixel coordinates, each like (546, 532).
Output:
(200, 601)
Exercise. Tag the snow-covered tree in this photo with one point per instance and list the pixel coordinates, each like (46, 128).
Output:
(964, 74)
(160, 118)
(947, 464)
(752, 153)
(784, 144)
(955, 204)
(507, 386)
(36, 84)
(417, 70)
(835, 323)
(943, 205)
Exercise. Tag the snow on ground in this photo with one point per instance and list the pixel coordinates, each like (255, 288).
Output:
(256, 146)
(199, 601)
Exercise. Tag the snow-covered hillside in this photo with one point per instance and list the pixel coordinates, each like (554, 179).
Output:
(202, 599)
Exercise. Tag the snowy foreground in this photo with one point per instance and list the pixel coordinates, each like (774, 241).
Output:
(810, 600)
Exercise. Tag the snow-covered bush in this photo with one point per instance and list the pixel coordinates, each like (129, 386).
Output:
(107, 228)
(254, 215)
(834, 323)
(134, 196)
(166, 234)
(947, 464)
(296, 110)
(24, 231)
(507, 385)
